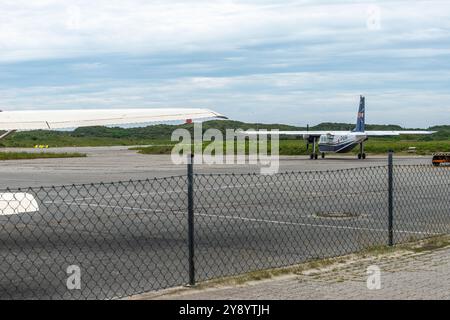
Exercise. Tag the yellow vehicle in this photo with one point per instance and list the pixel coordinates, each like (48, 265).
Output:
(441, 158)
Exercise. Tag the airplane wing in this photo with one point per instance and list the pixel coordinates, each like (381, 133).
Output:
(396, 133)
(63, 119)
(337, 133)
(296, 133)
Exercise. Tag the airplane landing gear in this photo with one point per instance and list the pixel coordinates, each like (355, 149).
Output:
(361, 154)
(314, 155)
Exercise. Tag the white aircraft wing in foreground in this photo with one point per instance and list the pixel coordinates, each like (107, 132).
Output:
(11, 121)
(63, 119)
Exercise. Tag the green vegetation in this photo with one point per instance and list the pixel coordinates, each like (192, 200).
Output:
(155, 149)
(67, 139)
(422, 147)
(41, 155)
(159, 137)
(431, 244)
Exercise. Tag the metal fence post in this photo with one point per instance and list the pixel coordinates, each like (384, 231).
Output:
(391, 198)
(190, 178)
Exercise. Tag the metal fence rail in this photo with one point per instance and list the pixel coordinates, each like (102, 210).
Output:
(136, 236)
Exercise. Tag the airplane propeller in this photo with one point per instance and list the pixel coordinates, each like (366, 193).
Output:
(307, 143)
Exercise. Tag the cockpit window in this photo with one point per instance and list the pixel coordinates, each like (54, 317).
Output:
(326, 138)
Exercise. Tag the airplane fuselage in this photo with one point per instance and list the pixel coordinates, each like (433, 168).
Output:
(340, 143)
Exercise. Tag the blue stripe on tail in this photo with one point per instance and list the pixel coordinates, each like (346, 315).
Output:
(361, 120)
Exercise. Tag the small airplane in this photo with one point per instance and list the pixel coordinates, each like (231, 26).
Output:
(12, 121)
(341, 141)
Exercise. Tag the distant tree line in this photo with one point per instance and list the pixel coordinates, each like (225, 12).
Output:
(93, 136)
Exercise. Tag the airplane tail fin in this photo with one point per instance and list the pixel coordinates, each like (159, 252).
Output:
(361, 120)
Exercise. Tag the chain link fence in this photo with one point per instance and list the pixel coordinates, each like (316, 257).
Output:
(111, 240)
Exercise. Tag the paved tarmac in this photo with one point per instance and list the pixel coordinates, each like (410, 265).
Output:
(407, 276)
(131, 236)
(106, 164)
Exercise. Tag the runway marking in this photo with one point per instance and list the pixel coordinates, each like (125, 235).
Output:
(104, 206)
(248, 219)
(235, 187)
(184, 190)
(312, 225)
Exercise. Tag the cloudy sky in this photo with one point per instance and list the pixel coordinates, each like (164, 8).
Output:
(297, 62)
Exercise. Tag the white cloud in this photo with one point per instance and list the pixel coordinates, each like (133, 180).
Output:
(295, 61)
(296, 98)
(58, 29)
